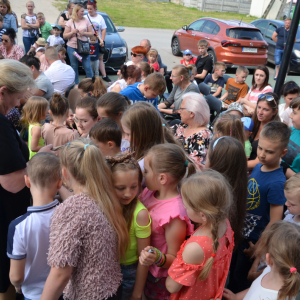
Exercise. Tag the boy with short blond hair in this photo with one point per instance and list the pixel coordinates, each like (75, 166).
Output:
(216, 80)
(204, 62)
(236, 88)
(45, 27)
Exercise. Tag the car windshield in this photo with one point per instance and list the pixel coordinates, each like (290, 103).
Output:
(110, 26)
(244, 34)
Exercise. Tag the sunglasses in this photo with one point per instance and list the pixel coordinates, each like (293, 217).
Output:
(268, 98)
(188, 54)
(135, 55)
(4, 40)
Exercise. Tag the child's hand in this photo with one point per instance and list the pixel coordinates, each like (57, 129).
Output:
(146, 258)
(229, 295)
(250, 251)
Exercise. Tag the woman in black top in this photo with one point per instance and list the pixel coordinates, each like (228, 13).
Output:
(64, 18)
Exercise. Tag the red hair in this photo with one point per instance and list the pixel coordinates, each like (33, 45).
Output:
(93, 3)
(139, 50)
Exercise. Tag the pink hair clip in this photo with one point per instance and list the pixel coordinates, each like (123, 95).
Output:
(293, 270)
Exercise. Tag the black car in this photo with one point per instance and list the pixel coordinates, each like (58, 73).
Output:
(267, 27)
(117, 47)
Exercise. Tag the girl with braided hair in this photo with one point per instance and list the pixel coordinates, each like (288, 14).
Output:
(127, 179)
(202, 264)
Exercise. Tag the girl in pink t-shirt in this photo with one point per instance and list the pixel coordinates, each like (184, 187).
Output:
(200, 270)
(164, 167)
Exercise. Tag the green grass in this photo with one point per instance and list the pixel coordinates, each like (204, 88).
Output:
(152, 14)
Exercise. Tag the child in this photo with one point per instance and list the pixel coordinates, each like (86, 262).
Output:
(94, 55)
(216, 80)
(152, 56)
(40, 51)
(28, 235)
(146, 69)
(248, 127)
(236, 88)
(153, 86)
(70, 123)
(127, 179)
(188, 58)
(34, 112)
(165, 166)
(2, 30)
(106, 134)
(56, 132)
(204, 62)
(62, 54)
(193, 72)
(201, 266)
(41, 42)
(280, 279)
(55, 39)
(45, 27)
(265, 198)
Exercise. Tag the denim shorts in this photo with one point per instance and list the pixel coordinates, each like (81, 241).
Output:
(129, 274)
(278, 56)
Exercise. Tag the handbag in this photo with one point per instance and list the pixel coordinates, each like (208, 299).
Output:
(83, 48)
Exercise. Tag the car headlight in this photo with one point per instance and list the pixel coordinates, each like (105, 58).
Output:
(297, 52)
(119, 50)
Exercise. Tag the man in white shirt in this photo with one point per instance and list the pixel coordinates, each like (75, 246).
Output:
(61, 75)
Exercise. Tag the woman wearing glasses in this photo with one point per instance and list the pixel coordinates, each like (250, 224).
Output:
(266, 111)
(9, 49)
(137, 55)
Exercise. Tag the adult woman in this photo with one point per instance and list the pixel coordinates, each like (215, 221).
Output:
(266, 111)
(8, 48)
(137, 55)
(130, 75)
(92, 87)
(15, 78)
(193, 132)
(86, 115)
(100, 27)
(30, 26)
(80, 28)
(260, 85)
(9, 21)
(65, 17)
(43, 84)
(182, 85)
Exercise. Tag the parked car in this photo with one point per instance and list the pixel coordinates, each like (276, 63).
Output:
(233, 42)
(267, 27)
(117, 47)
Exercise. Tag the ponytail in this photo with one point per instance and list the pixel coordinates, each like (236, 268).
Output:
(146, 68)
(93, 85)
(59, 105)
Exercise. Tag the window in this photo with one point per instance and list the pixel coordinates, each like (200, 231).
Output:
(244, 34)
(216, 30)
(270, 31)
(209, 27)
(110, 26)
(196, 26)
(262, 26)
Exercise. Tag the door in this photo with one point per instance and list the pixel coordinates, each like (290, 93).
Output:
(194, 29)
(262, 26)
(268, 36)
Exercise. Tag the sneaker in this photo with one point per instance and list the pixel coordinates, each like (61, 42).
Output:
(106, 78)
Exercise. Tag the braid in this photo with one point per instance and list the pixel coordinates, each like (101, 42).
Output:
(215, 232)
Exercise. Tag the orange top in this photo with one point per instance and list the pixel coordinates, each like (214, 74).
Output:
(185, 274)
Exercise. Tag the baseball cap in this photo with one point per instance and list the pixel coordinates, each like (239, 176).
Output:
(235, 106)
(40, 48)
(248, 123)
(57, 26)
(187, 51)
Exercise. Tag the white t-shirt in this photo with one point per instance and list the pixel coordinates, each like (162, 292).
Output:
(124, 145)
(290, 218)
(121, 82)
(30, 32)
(55, 40)
(285, 117)
(98, 22)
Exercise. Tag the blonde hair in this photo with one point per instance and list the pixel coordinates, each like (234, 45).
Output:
(282, 242)
(156, 83)
(7, 4)
(40, 15)
(184, 71)
(210, 193)
(241, 69)
(34, 110)
(30, 2)
(15, 76)
(76, 8)
(292, 185)
(154, 52)
(88, 167)
(146, 68)
(219, 64)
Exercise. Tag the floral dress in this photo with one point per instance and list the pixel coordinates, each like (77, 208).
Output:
(16, 53)
(196, 145)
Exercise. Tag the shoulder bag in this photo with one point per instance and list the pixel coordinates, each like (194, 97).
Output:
(83, 48)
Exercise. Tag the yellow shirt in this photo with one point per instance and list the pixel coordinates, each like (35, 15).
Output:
(41, 140)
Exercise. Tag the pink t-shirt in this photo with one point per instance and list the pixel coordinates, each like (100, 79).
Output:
(83, 24)
(161, 213)
(254, 93)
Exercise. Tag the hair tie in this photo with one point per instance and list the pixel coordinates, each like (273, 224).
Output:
(213, 255)
(293, 270)
(68, 144)
(186, 163)
(93, 79)
(85, 146)
(164, 124)
(190, 73)
(217, 141)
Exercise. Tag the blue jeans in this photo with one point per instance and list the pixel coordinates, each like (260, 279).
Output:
(28, 42)
(278, 56)
(86, 64)
(129, 274)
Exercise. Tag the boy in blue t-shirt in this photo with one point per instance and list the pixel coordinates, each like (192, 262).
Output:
(148, 91)
(28, 235)
(216, 80)
(265, 199)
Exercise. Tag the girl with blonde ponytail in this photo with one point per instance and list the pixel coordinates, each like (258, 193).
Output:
(202, 264)
(88, 233)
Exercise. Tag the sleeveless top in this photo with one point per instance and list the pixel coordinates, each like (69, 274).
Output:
(121, 82)
(29, 20)
(136, 231)
(65, 19)
(41, 140)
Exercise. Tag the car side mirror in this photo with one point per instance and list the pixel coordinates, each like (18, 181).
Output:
(184, 27)
(121, 29)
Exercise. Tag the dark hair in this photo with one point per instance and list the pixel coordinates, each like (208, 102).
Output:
(107, 130)
(290, 87)
(10, 33)
(88, 103)
(69, 5)
(295, 103)
(266, 82)
(94, 85)
(277, 132)
(93, 3)
(30, 60)
(59, 105)
(131, 71)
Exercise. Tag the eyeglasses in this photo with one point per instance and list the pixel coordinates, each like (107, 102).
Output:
(174, 75)
(79, 121)
(268, 98)
(223, 71)
(182, 108)
(4, 40)
(135, 55)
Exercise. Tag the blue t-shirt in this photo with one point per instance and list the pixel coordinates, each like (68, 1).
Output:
(264, 188)
(94, 51)
(292, 157)
(133, 93)
(214, 84)
(281, 37)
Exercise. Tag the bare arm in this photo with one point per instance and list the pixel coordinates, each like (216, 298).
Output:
(52, 31)
(252, 163)
(224, 96)
(247, 102)
(35, 136)
(253, 274)
(103, 34)
(202, 75)
(17, 271)
(116, 88)
(68, 33)
(274, 36)
(39, 93)
(218, 92)
(13, 182)
(62, 22)
(289, 173)
(229, 295)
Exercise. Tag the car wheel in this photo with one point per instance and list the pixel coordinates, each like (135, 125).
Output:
(176, 47)
(212, 54)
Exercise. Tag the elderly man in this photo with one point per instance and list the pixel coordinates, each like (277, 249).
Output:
(61, 75)
(146, 43)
